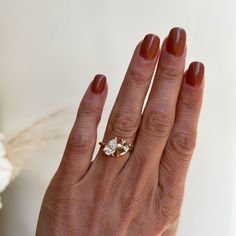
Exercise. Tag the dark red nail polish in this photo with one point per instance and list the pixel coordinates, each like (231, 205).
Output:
(176, 41)
(149, 47)
(98, 84)
(195, 74)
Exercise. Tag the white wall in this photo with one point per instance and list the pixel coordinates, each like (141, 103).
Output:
(49, 52)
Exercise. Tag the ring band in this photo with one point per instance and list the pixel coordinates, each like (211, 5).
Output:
(116, 147)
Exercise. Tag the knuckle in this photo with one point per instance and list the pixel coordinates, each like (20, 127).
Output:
(139, 76)
(87, 109)
(188, 105)
(169, 73)
(79, 143)
(181, 145)
(158, 123)
(125, 125)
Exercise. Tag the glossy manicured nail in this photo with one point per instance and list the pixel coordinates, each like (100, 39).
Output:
(176, 41)
(150, 46)
(195, 74)
(98, 84)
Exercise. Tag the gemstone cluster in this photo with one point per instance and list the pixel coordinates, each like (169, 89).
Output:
(116, 147)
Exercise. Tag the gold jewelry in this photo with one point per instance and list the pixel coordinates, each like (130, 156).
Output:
(116, 147)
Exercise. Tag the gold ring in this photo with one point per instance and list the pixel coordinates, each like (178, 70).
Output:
(116, 147)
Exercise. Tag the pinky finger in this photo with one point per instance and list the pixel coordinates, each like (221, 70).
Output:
(82, 139)
(181, 142)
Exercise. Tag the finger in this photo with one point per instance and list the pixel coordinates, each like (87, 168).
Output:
(178, 151)
(159, 112)
(81, 142)
(126, 113)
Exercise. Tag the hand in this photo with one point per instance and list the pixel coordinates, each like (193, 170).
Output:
(141, 192)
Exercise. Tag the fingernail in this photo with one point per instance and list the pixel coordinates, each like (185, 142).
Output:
(195, 74)
(176, 41)
(98, 84)
(150, 46)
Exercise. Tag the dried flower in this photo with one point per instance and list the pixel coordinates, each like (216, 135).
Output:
(5, 168)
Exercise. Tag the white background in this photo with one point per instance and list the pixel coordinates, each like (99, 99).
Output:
(50, 51)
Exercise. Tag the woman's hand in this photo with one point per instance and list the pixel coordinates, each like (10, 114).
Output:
(139, 193)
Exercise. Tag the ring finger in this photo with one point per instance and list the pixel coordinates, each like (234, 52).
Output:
(125, 117)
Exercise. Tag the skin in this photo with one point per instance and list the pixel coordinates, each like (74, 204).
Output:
(140, 193)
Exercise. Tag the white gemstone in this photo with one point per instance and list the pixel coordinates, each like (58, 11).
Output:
(110, 147)
(112, 143)
(108, 151)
